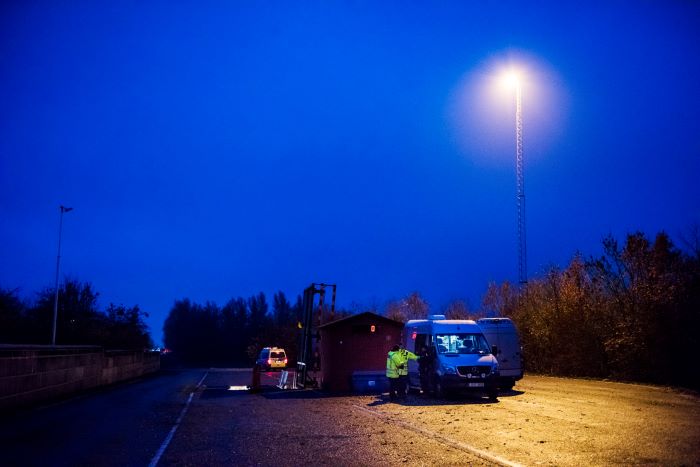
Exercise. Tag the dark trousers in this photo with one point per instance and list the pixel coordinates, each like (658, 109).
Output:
(394, 387)
(403, 386)
(424, 382)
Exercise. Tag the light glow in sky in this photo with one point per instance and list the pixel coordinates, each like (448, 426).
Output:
(482, 111)
(511, 80)
(220, 150)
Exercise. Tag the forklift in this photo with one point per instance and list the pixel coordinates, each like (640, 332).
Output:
(309, 358)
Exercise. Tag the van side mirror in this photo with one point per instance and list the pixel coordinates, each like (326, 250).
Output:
(494, 350)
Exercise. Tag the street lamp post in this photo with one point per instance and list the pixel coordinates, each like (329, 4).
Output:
(513, 81)
(520, 192)
(58, 262)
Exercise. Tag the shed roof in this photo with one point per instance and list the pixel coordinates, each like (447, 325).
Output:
(368, 314)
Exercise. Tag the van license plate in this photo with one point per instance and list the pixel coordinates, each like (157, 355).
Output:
(475, 385)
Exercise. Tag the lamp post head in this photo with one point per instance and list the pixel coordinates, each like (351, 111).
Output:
(511, 80)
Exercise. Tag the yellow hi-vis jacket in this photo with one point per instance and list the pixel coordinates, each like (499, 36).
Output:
(393, 360)
(397, 363)
(405, 356)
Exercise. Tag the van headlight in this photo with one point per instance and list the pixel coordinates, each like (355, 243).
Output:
(448, 370)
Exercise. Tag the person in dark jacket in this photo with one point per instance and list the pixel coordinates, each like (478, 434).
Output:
(425, 368)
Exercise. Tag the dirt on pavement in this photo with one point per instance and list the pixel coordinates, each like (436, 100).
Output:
(564, 421)
(544, 420)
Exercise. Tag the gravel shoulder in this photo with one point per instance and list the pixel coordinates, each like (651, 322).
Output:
(562, 421)
(545, 420)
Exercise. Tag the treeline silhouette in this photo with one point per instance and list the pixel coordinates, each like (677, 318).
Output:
(79, 320)
(235, 333)
(631, 314)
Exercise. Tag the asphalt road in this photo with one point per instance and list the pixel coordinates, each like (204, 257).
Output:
(202, 417)
(121, 425)
(299, 428)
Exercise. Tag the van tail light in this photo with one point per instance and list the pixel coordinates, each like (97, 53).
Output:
(285, 361)
(269, 361)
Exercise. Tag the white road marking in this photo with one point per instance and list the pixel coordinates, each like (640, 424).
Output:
(169, 438)
(438, 437)
(229, 370)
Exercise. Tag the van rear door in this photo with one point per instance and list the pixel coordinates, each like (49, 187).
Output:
(509, 345)
(501, 332)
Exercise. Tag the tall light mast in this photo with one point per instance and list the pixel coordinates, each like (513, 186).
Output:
(520, 192)
(58, 263)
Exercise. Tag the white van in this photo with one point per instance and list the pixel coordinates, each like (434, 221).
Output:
(457, 357)
(501, 332)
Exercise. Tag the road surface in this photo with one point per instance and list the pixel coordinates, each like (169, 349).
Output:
(202, 417)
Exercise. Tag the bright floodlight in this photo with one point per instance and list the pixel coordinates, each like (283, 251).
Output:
(511, 80)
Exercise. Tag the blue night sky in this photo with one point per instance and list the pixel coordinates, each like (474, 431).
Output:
(217, 151)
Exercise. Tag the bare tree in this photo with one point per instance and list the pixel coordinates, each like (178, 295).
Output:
(458, 309)
(691, 240)
(411, 307)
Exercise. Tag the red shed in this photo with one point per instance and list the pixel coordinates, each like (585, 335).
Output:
(356, 346)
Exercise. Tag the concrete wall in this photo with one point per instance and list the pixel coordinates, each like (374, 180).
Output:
(35, 374)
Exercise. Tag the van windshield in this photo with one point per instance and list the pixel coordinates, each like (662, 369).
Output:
(461, 344)
(277, 355)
